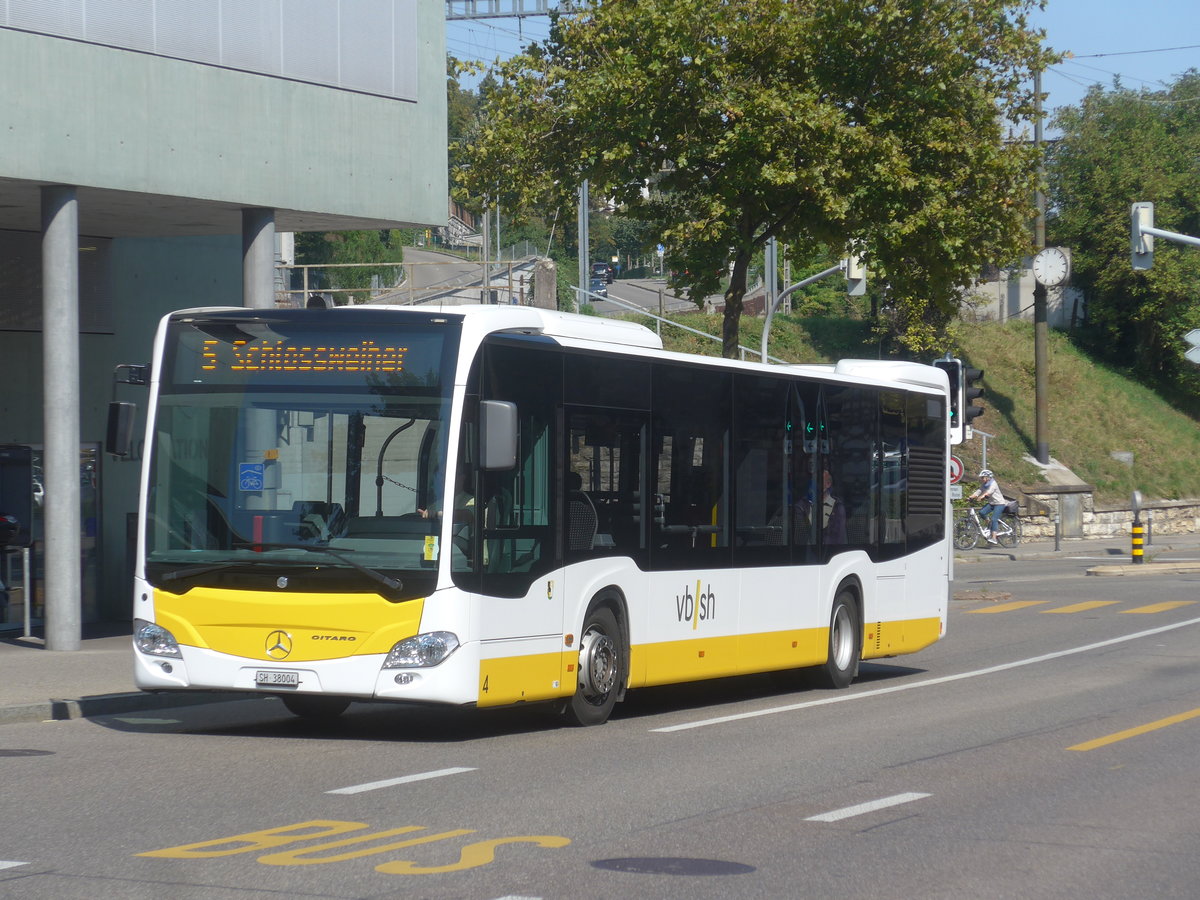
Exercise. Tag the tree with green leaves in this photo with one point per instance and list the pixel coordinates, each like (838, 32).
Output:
(723, 123)
(1118, 147)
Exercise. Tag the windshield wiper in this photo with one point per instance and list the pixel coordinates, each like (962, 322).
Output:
(205, 568)
(393, 585)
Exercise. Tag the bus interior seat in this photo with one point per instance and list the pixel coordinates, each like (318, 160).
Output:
(582, 521)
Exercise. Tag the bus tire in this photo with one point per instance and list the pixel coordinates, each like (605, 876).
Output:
(602, 665)
(315, 706)
(845, 643)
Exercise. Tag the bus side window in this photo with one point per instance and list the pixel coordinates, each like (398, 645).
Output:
(691, 462)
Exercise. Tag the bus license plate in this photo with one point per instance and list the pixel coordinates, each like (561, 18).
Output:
(274, 677)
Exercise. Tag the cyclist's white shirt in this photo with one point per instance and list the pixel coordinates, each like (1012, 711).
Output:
(990, 492)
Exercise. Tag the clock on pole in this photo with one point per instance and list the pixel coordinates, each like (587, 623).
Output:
(1052, 266)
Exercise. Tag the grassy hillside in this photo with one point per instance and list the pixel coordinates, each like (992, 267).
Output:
(1093, 411)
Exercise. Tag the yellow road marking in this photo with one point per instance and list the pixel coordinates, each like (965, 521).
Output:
(1159, 607)
(1134, 732)
(1008, 607)
(1081, 607)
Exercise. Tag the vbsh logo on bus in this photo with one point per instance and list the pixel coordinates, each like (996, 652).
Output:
(696, 607)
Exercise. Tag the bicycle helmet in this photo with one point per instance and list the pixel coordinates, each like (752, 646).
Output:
(985, 473)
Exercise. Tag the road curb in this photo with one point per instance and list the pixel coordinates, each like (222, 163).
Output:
(106, 705)
(1152, 568)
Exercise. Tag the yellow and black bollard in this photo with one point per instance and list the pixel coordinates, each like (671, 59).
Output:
(1138, 534)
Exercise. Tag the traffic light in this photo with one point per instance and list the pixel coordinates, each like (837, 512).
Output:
(970, 393)
(1141, 245)
(953, 370)
(856, 275)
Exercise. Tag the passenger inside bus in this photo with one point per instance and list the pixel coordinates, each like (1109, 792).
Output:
(833, 510)
(464, 501)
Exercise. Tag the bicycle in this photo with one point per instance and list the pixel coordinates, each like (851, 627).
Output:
(970, 531)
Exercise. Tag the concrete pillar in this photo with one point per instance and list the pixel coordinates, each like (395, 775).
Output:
(60, 377)
(545, 284)
(258, 292)
(258, 258)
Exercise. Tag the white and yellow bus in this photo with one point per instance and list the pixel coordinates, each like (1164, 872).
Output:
(493, 505)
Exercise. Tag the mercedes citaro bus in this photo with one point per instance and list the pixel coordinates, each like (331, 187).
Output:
(490, 505)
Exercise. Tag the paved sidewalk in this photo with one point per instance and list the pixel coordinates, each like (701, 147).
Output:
(38, 684)
(1108, 552)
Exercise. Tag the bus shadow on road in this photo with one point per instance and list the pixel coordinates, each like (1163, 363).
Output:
(872, 672)
(401, 723)
(796, 685)
(266, 717)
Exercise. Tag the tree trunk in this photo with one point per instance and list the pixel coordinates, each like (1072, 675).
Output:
(731, 325)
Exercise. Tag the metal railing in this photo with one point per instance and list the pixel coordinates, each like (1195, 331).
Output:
(408, 283)
(661, 320)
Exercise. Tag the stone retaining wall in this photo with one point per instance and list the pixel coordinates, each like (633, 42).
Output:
(1081, 518)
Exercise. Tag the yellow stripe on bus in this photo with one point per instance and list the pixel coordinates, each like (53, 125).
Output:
(240, 622)
(903, 636)
(695, 659)
(539, 676)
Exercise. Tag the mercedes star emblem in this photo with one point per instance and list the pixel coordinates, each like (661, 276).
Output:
(279, 644)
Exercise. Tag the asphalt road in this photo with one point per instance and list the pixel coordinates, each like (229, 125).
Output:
(1044, 749)
(643, 293)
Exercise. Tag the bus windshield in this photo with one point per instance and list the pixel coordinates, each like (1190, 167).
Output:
(308, 448)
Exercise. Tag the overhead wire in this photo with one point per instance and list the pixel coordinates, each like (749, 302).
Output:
(1072, 60)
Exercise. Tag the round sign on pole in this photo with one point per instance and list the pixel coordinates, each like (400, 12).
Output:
(956, 470)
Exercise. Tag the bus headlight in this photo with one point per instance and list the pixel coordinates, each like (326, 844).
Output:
(422, 650)
(154, 640)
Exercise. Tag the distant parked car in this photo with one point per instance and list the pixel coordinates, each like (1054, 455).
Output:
(603, 270)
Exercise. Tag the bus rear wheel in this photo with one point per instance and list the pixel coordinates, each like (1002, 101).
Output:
(845, 648)
(314, 706)
(601, 668)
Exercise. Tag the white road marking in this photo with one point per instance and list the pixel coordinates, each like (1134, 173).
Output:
(10, 864)
(928, 682)
(392, 782)
(862, 808)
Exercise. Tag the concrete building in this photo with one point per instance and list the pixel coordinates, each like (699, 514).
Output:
(149, 153)
(1009, 295)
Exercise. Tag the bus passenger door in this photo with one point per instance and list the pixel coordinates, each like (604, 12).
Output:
(604, 533)
(514, 557)
(604, 485)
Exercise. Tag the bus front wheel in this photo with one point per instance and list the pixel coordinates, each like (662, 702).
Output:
(845, 647)
(601, 668)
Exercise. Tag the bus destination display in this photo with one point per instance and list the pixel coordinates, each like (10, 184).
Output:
(264, 354)
(279, 356)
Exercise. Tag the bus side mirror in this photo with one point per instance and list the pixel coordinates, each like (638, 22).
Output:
(119, 437)
(498, 426)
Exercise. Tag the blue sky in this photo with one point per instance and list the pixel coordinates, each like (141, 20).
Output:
(1087, 28)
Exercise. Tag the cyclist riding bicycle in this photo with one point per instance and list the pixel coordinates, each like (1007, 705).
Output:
(989, 490)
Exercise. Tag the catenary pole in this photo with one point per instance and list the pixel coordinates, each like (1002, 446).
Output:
(1041, 362)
